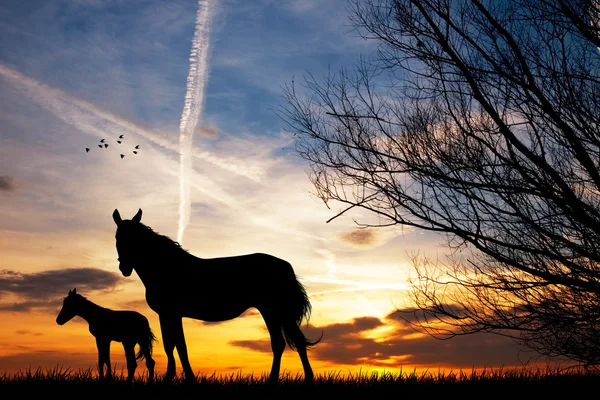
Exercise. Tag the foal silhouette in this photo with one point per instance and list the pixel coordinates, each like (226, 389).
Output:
(128, 327)
(179, 284)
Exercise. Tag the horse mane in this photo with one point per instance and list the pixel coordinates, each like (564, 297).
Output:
(162, 241)
(81, 297)
(84, 299)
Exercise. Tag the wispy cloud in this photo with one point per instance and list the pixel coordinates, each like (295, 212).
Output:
(192, 108)
(349, 285)
(88, 117)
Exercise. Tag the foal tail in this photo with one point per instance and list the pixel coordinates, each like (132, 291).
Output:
(299, 308)
(146, 345)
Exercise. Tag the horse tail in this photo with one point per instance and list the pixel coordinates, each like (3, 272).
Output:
(300, 309)
(147, 343)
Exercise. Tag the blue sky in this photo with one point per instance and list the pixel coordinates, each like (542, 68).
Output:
(74, 72)
(131, 57)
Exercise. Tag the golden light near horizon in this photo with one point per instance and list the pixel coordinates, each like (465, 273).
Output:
(218, 171)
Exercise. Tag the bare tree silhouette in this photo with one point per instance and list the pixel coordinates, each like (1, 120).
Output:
(477, 120)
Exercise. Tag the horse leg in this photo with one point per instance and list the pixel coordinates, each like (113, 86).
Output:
(103, 357)
(149, 361)
(167, 328)
(130, 357)
(277, 346)
(295, 334)
(182, 350)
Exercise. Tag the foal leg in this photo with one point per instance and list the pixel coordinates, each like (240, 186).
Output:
(299, 340)
(131, 362)
(277, 346)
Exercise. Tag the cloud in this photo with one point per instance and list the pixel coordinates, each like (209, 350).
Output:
(136, 305)
(369, 238)
(46, 289)
(26, 332)
(87, 117)
(7, 183)
(390, 343)
(360, 237)
(207, 131)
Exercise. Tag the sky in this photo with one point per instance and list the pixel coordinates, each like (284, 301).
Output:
(75, 72)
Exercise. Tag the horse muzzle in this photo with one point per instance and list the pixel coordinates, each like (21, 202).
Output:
(125, 270)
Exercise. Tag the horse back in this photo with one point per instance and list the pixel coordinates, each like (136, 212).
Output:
(220, 288)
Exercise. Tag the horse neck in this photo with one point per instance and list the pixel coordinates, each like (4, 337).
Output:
(160, 264)
(89, 311)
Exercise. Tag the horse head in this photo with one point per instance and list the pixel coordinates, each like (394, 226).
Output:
(124, 240)
(69, 308)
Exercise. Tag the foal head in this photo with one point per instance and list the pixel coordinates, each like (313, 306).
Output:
(126, 240)
(70, 307)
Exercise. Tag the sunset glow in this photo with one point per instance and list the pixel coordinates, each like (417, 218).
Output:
(73, 73)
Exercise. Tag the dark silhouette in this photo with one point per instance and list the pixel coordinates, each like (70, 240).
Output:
(105, 145)
(137, 146)
(118, 141)
(127, 327)
(100, 145)
(120, 136)
(102, 141)
(481, 126)
(122, 155)
(134, 152)
(179, 284)
(87, 149)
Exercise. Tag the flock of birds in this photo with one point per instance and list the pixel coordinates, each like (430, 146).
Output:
(104, 145)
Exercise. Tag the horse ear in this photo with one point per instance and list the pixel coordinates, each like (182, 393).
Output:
(117, 217)
(70, 292)
(137, 217)
(75, 291)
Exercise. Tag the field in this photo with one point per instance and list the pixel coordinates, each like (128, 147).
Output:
(511, 384)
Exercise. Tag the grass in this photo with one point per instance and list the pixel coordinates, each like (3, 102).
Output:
(510, 383)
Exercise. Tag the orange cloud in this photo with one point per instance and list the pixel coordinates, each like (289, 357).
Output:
(361, 238)
(397, 346)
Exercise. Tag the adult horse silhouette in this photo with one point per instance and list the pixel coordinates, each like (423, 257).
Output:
(179, 284)
(106, 325)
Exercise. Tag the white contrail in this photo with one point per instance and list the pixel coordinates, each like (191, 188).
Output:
(192, 108)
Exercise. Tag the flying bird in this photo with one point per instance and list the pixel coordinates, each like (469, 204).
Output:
(87, 149)
(102, 141)
(118, 141)
(137, 147)
(134, 152)
(121, 137)
(100, 145)
(105, 145)
(122, 155)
